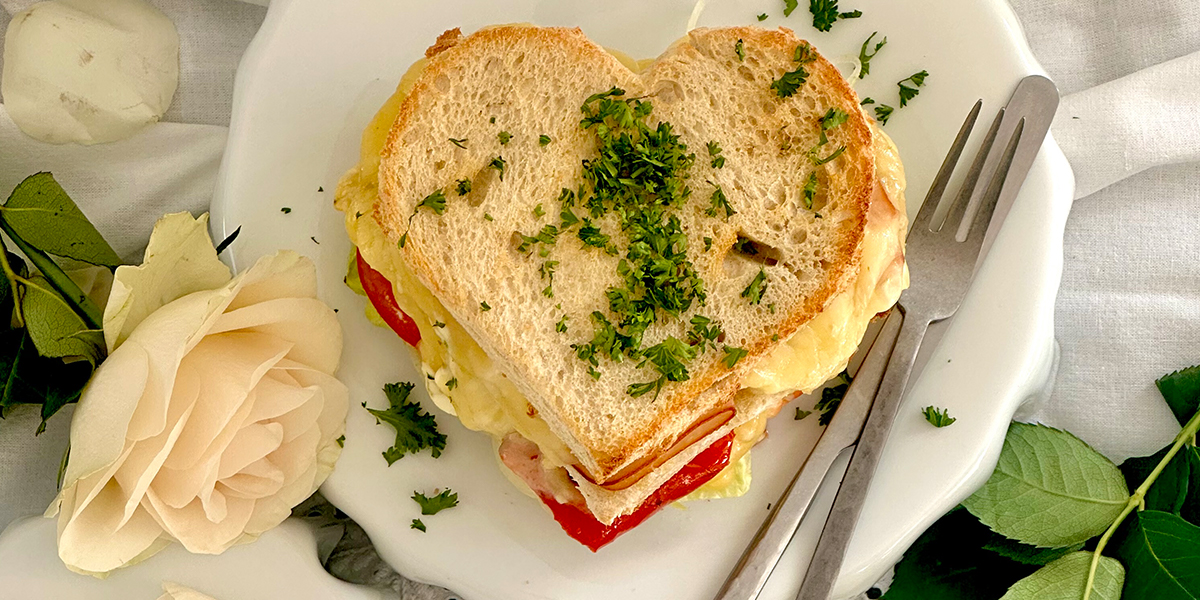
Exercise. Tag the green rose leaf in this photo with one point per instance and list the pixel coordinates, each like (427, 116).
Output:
(1026, 554)
(1162, 553)
(1065, 578)
(1191, 503)
(1050, 489)
(56, 329)
(1170, 490)
(1181, 389)
(948, 562)
(42, 214)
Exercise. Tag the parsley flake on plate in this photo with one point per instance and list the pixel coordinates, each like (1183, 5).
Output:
(864, 57)
(909, 92)
(418, 525)
(758, 286)
(825, 14)
(436, 504)
(790, 82)
(415, 429)
(883, 112)
(938, 417)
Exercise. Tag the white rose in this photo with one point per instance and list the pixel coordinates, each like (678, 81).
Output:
(215, 413)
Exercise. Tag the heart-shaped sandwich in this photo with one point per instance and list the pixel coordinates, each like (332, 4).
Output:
(621, 271)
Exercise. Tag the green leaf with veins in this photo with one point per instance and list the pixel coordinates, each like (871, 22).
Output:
(948, 562)
(1064, 579)
(42, 213)
(415, 429)
(56, 329)
(1049, 489)
(1181, 390)
(1162, 553)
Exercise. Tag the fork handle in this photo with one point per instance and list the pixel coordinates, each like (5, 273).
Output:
(835, 538)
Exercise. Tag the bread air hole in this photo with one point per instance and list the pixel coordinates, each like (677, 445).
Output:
(755, 251)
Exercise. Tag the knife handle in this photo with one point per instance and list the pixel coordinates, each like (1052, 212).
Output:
(835, 539)
(747, 579)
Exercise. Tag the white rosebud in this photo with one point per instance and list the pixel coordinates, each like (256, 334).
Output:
(215, 413)
(89, 72)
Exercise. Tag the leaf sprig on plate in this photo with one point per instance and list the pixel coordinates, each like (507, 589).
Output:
(1024, 534)
(51, 339)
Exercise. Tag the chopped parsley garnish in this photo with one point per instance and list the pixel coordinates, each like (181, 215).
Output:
(758, 286)
(488, 217)
(825, 13)
(418, 525)
(548, 236)
(810, 190)
(938, 417)
(801, 414)
(415, 429)
(341, 441)
(546, 271)
(707, 243)
(435, 202)
(821, 161)
(483, 307)
(285, 210)
(499, 165)
(463, 186)
(670, 357)
(909, 92)
(538, 211)
(866, 101)
(762, 17)
(460, 143)
(543, 139)
(639, 175)
(832, 118)
(492, 120)
(864, 58)
(436, 504)
(790, 82)
(504, 137)
(439, 324)
(789, 6)
(561, 325)
(451, 383)
(714, 152)
(733, 356)
(831, 397)
(883, 112)
(704, 333)
(740, 50)
(719, 204)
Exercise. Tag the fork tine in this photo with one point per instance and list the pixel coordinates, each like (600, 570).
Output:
(934, 197)
(962, 201)
(976, 229)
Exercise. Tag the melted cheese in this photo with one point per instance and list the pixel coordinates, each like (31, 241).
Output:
(483, 398)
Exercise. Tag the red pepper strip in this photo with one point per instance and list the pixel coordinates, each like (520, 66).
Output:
(580, 524)
(379, 292)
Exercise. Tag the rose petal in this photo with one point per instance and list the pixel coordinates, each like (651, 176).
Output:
(144, 461)
(308, 323)
(199, 535)
(277, 393)
(174, 591)
(93, 542)
(102, 416)
(178, 487)
(252, 443)
(233, 364)
(180, 259)
(284, 274)
(258, 480)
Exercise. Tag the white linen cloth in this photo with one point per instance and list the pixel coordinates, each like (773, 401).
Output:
(1128, 310)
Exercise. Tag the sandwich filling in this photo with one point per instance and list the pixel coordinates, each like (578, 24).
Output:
(464, 381)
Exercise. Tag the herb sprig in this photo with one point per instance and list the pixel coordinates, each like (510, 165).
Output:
(415, 429)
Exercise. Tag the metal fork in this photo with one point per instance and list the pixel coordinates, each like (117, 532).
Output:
(942, 264)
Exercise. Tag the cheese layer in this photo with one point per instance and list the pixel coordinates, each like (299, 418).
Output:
(462, 380)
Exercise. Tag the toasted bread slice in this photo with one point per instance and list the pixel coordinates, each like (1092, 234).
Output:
(530, 82)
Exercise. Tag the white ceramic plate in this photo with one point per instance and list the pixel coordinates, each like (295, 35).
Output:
(314, 76)
(281, 564)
